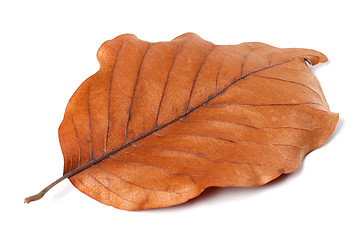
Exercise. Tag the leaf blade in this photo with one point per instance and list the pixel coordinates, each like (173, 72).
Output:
(149, 116)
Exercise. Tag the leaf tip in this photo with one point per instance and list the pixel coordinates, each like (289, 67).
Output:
(315, 58)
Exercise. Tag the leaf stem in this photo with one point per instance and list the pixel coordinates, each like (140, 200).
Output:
(67, 175)
(42, 193)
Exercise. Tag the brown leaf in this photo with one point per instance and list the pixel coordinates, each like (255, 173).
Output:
(160, 122)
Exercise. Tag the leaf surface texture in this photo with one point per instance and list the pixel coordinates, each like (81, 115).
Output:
(163, 121)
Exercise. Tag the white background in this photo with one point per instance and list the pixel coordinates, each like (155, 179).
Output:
(48, 48)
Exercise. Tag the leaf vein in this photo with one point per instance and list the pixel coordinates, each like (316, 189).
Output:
(289, 81)
(242, 124)
(103, 185)
(77, 138)
(198, 155)
(196, 77)
(166, 83)
(89, 116)
(109, 101)
(131, 183)
(132, 97)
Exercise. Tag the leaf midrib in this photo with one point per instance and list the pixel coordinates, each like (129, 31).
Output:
(159, 127)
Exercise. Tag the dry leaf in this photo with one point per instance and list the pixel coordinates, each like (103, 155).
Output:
(160, 122)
